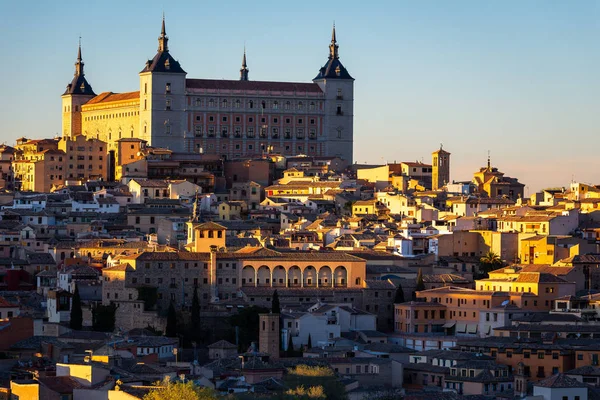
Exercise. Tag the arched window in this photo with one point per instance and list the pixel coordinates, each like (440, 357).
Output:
(224, 103)
(300, 105)
(251, 104)
(287, 105)
(237, 104)
(275, 105)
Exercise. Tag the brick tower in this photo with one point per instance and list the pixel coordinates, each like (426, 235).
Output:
(268, 337)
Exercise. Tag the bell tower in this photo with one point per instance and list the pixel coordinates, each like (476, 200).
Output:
(440, 161)
(520, 388)
(268, 337)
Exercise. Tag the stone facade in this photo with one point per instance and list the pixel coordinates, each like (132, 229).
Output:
(229, 118)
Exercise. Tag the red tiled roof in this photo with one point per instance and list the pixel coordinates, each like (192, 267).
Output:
(110, 96)
(6, 304)
(219, 84)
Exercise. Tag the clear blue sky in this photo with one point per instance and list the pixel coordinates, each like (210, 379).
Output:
(519, 78)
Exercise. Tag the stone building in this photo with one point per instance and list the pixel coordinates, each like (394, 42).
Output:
(228, 118)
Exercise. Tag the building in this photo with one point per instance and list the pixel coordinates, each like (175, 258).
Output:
(440, 174)
(269, 334)
(7, 155)
(229, 118)
(492, 183)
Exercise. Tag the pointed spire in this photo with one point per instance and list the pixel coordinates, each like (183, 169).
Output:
(333, 38)
(244, 70)
(79, 50)
(163, 39)
(79, 64)
(333, 47)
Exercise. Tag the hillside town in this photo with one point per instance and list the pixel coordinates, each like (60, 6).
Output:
(241, 257)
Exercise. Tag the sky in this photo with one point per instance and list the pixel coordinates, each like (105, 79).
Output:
(519, 79)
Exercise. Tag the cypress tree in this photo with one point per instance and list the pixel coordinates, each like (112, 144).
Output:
(399, 295)
(275, 306)
(171, 329)
(420, 283)
(309, 345)
(76, 322)
(195, 311)
(290, 349)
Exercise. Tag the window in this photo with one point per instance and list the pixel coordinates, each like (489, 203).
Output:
(168, 104)
(168, 88)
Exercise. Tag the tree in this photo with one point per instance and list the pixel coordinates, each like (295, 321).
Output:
(399, 295)
(103, 317)
(195, 311)
(275, 307)
(76, 322)
(171, 329)
(168, 390)
(309, 344)
(487, 263)
(420, 283)
(247, 323)
(290, 348)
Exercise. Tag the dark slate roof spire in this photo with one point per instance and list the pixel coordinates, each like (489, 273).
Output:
(163, 61)
(163, 39)
(79, 84)
(333, 47)
(244, 70)
(334, 68)
(79, 64)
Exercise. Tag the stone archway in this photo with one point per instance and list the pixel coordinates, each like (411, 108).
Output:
(279, 276)
(248, 276)
(294, 276)
(309, 276)
(263, 276)
(340, 276)
(325, 276)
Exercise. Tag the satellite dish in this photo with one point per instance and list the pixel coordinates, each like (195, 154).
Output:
(504, 303)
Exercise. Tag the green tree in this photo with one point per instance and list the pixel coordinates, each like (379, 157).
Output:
(76, 322)
(290, 348)
(195, 311)
(168, 390)
(309, 344)
(246, 320)
(399, 298)
(103, 317)
(171, 329)
(487, 263)
(275, 306)
(420, 284)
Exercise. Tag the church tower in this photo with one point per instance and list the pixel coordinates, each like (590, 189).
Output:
(78, 92)
(244, 70)
(268, 334)
(338, 86)
(440, 168)
(520, 384)
(162, 99)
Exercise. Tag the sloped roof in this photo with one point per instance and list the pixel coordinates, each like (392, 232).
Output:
(560, 381)
(106, 97)
(221, 84)
(159, 64)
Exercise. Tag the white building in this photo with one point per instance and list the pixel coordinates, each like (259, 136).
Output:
(324, 322)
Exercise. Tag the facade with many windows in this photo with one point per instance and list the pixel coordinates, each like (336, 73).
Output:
(229, 118)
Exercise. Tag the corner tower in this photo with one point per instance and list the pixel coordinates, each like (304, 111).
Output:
(440, 161)
(338, 86)
(162, 98)
(78, 92)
